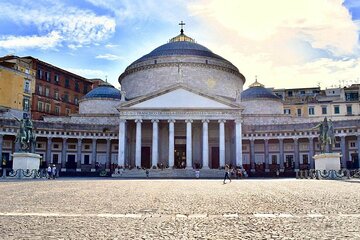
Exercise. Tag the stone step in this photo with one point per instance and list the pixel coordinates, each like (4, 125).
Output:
(171, 173)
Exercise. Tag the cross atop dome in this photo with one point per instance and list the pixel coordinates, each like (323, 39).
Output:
(182, 24)
(256, 83)
(182, 37)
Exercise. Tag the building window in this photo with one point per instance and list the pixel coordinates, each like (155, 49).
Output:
(287, 111)
(72, 146)
(305, 158)
(302, 92)
(27, 86)
(47, 76)
(55, 159)
(348, 110)
(57, 110)
(299, 112)
(47, 107)
(66, 97)
(40, 106)
(290, 93)
(76, 100)
(274, 159)
(67, 83)
(85, 88)
(87, 159)
(56, 94)
(324, 110)
(311, 111)
(27, 71)
(47, 91)
(40, 90)
(26, 104)
(77, 86)
(352, 96)
(56, 78)
(352, 144)
(67, 111)
(56, 146)
(87, 147)
(336, 109)
(39, 73)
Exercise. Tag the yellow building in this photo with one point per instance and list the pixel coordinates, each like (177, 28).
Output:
(17, 83)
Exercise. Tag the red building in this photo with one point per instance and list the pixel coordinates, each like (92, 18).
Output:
(57, 91)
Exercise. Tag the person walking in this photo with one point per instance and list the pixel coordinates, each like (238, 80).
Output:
(53, 172)
(49, 171)
(227, 173)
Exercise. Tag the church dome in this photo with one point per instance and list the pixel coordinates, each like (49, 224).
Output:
(257, 91)
(184, 61)
(104, 91)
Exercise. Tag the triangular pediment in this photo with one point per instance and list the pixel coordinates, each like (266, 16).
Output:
(179, 97)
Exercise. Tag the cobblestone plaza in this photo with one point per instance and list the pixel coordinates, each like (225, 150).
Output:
(179, 209)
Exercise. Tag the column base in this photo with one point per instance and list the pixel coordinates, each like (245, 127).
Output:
(282, 170)
(93, 170)
(107, 170)
(296, 170)
(63, 169)
(252, 170)
(205, 167)
(267, 170)
(78, 169)
(189, 168)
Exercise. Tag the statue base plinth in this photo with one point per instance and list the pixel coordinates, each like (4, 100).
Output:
(327, 161)
(24, 161)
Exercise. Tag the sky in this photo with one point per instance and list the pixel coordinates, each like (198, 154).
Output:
(285, 43)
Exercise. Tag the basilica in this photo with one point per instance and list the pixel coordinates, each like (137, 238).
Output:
(182, 107)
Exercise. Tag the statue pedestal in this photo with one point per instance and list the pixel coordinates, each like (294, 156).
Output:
(24, 161)
(327, 161)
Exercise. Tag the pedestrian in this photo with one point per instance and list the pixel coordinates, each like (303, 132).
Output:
(54, 171)
(49, 170)
(227, 173)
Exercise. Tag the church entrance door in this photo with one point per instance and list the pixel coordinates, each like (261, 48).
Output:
(215, 157)
(180, 156)
(145, 157)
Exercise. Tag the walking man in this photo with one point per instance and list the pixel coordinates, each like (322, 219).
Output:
(54, 171)
(227, 173)
(49, 170)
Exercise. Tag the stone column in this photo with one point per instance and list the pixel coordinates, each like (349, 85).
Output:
(155, 142)
(188, 143)
(311, 152)
(171, 142)
(78, 156)
(63, 155)
(48, 151)
(93, 155)
(222, 142)
(205, 141)
(122, 143)
(266, 146)
(252, 154)
(238, 143)
(1, 148)
(296, 154)
(358, 149)
(138, 143)
(343, 151)
(108, 154)
(281, 148)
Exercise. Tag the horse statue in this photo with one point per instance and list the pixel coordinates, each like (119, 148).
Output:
(326, 135)
(25, 135)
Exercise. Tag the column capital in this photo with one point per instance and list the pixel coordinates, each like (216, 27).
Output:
(296, 140)
(266, 140)
(79, 140)
(205, 121)
(238, 120)
(221, 121)
(138, 120)
(188, 120)
(311, 139)
(94, 140)
(64, 139)
(171, 121)
(252, 140)
(49, 138)
(122, 121)
(154, 120)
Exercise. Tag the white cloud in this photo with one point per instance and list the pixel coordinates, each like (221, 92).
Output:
(88, 73)
(51, 40)
(74, 26)
(288, 43)
(108, 56)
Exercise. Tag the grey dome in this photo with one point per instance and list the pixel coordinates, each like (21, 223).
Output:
(104, 91)
(179, 48)
(258, 92)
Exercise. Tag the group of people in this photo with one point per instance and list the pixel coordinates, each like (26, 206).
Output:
(229, 172)
(51, 171)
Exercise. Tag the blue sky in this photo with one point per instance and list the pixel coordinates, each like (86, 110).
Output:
(298, 43)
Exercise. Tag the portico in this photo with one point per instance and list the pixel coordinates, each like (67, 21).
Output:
(164, 122)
